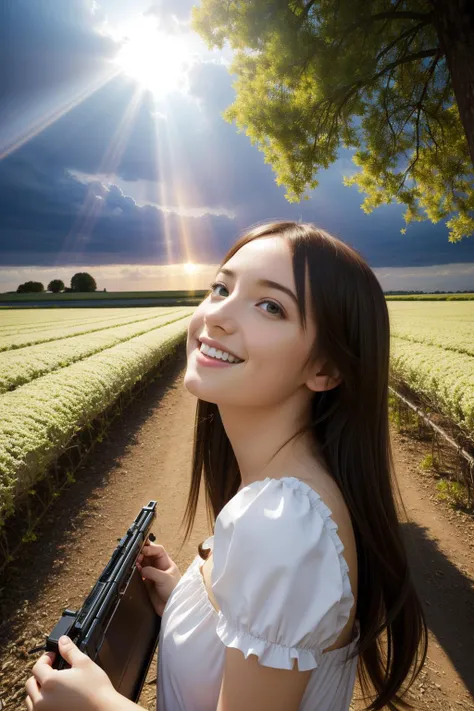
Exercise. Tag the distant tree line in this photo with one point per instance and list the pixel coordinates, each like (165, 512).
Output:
(82, 281)
(438, 291)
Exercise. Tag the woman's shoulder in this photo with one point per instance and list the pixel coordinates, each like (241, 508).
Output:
(276, 552)
(298, 513)
(295, 487)
(287, 505)
(339, 516)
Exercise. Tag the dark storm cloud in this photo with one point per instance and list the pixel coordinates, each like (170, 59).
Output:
(105, 133)
(48, 216)
(44, 44)
(55, 218)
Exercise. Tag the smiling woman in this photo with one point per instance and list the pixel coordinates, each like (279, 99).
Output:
(156, 60)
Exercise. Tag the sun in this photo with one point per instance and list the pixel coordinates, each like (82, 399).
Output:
(158, 61)
(190, 268)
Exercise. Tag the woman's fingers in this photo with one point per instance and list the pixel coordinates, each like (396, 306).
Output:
(32, 690)
(156, 552)
(153, 555)
(29, 704)
(43, 669)
(153, 549)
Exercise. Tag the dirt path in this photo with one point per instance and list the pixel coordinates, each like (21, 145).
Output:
(440, 543)
(147, 456)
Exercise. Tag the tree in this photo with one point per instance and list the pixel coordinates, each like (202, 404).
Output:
(30, 287)
(392, 79)
(82, 281)
(56, 285)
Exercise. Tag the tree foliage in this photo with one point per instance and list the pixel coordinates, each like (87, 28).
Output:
(56, 285)
(82, 281)
(369, 75)
(30, 287)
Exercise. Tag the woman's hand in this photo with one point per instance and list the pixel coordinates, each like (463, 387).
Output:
(84, 687)
(160, 572)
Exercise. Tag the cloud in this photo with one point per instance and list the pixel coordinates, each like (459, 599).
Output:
(110, 131)
(172, 16)
(45, 44)
(56, 219)
(57, 207)
(211, 83)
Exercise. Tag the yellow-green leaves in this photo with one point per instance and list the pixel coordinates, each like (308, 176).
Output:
(313, 77)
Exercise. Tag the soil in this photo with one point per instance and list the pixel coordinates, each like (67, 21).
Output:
(146, 455)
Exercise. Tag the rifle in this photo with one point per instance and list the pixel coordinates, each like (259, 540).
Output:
(117, 625)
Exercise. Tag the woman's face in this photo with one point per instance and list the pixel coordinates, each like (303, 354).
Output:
(257, 323)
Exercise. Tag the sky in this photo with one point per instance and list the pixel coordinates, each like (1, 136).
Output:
(115, 159)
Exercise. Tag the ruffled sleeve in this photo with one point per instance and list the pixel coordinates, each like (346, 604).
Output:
(279, 575)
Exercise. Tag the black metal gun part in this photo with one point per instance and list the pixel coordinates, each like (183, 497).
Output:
(117, 625)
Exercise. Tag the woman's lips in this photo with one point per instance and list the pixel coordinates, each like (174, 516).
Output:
(203, 359)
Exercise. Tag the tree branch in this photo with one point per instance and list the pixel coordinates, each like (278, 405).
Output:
(349, 91)
(428, 126)
(407, 33)
(352, 88)
(423, 54)
(429, 75)
(387, 115)
(389, 15)
(308, 7)
(401, 15)
(385, 24)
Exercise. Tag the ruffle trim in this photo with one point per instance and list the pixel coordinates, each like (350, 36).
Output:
(269, 654)
(347, 599)
(273, 654)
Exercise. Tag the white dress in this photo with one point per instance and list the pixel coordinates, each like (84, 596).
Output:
(282, 585)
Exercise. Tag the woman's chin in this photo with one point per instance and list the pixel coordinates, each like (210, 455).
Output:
(194, 384)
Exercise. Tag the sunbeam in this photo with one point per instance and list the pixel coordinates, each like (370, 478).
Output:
(157, 61)
(81, 230)
(19, 136)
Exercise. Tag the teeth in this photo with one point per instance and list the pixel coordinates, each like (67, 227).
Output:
(220, 355)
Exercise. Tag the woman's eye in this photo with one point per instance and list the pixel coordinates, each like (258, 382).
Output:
(272, 303)
(280, 312)
(215, 284)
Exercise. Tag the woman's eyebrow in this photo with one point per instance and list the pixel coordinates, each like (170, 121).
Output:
(263, 282)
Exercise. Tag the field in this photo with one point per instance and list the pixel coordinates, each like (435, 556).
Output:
(59, 369)
(432, 352)
(430, 297)
(100, 295)
(101, 299)
(59, 372)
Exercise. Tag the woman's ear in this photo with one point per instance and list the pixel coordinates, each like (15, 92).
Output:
(323, 380)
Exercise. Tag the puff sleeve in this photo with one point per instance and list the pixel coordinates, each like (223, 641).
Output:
(279, 575)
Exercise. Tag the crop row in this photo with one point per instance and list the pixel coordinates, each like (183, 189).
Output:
(39, 419)
(444, 377)
(21, 366)
(448, 324)
(59, 331)
(27, 320)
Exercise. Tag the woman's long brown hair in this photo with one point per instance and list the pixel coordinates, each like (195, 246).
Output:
(350, 424)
